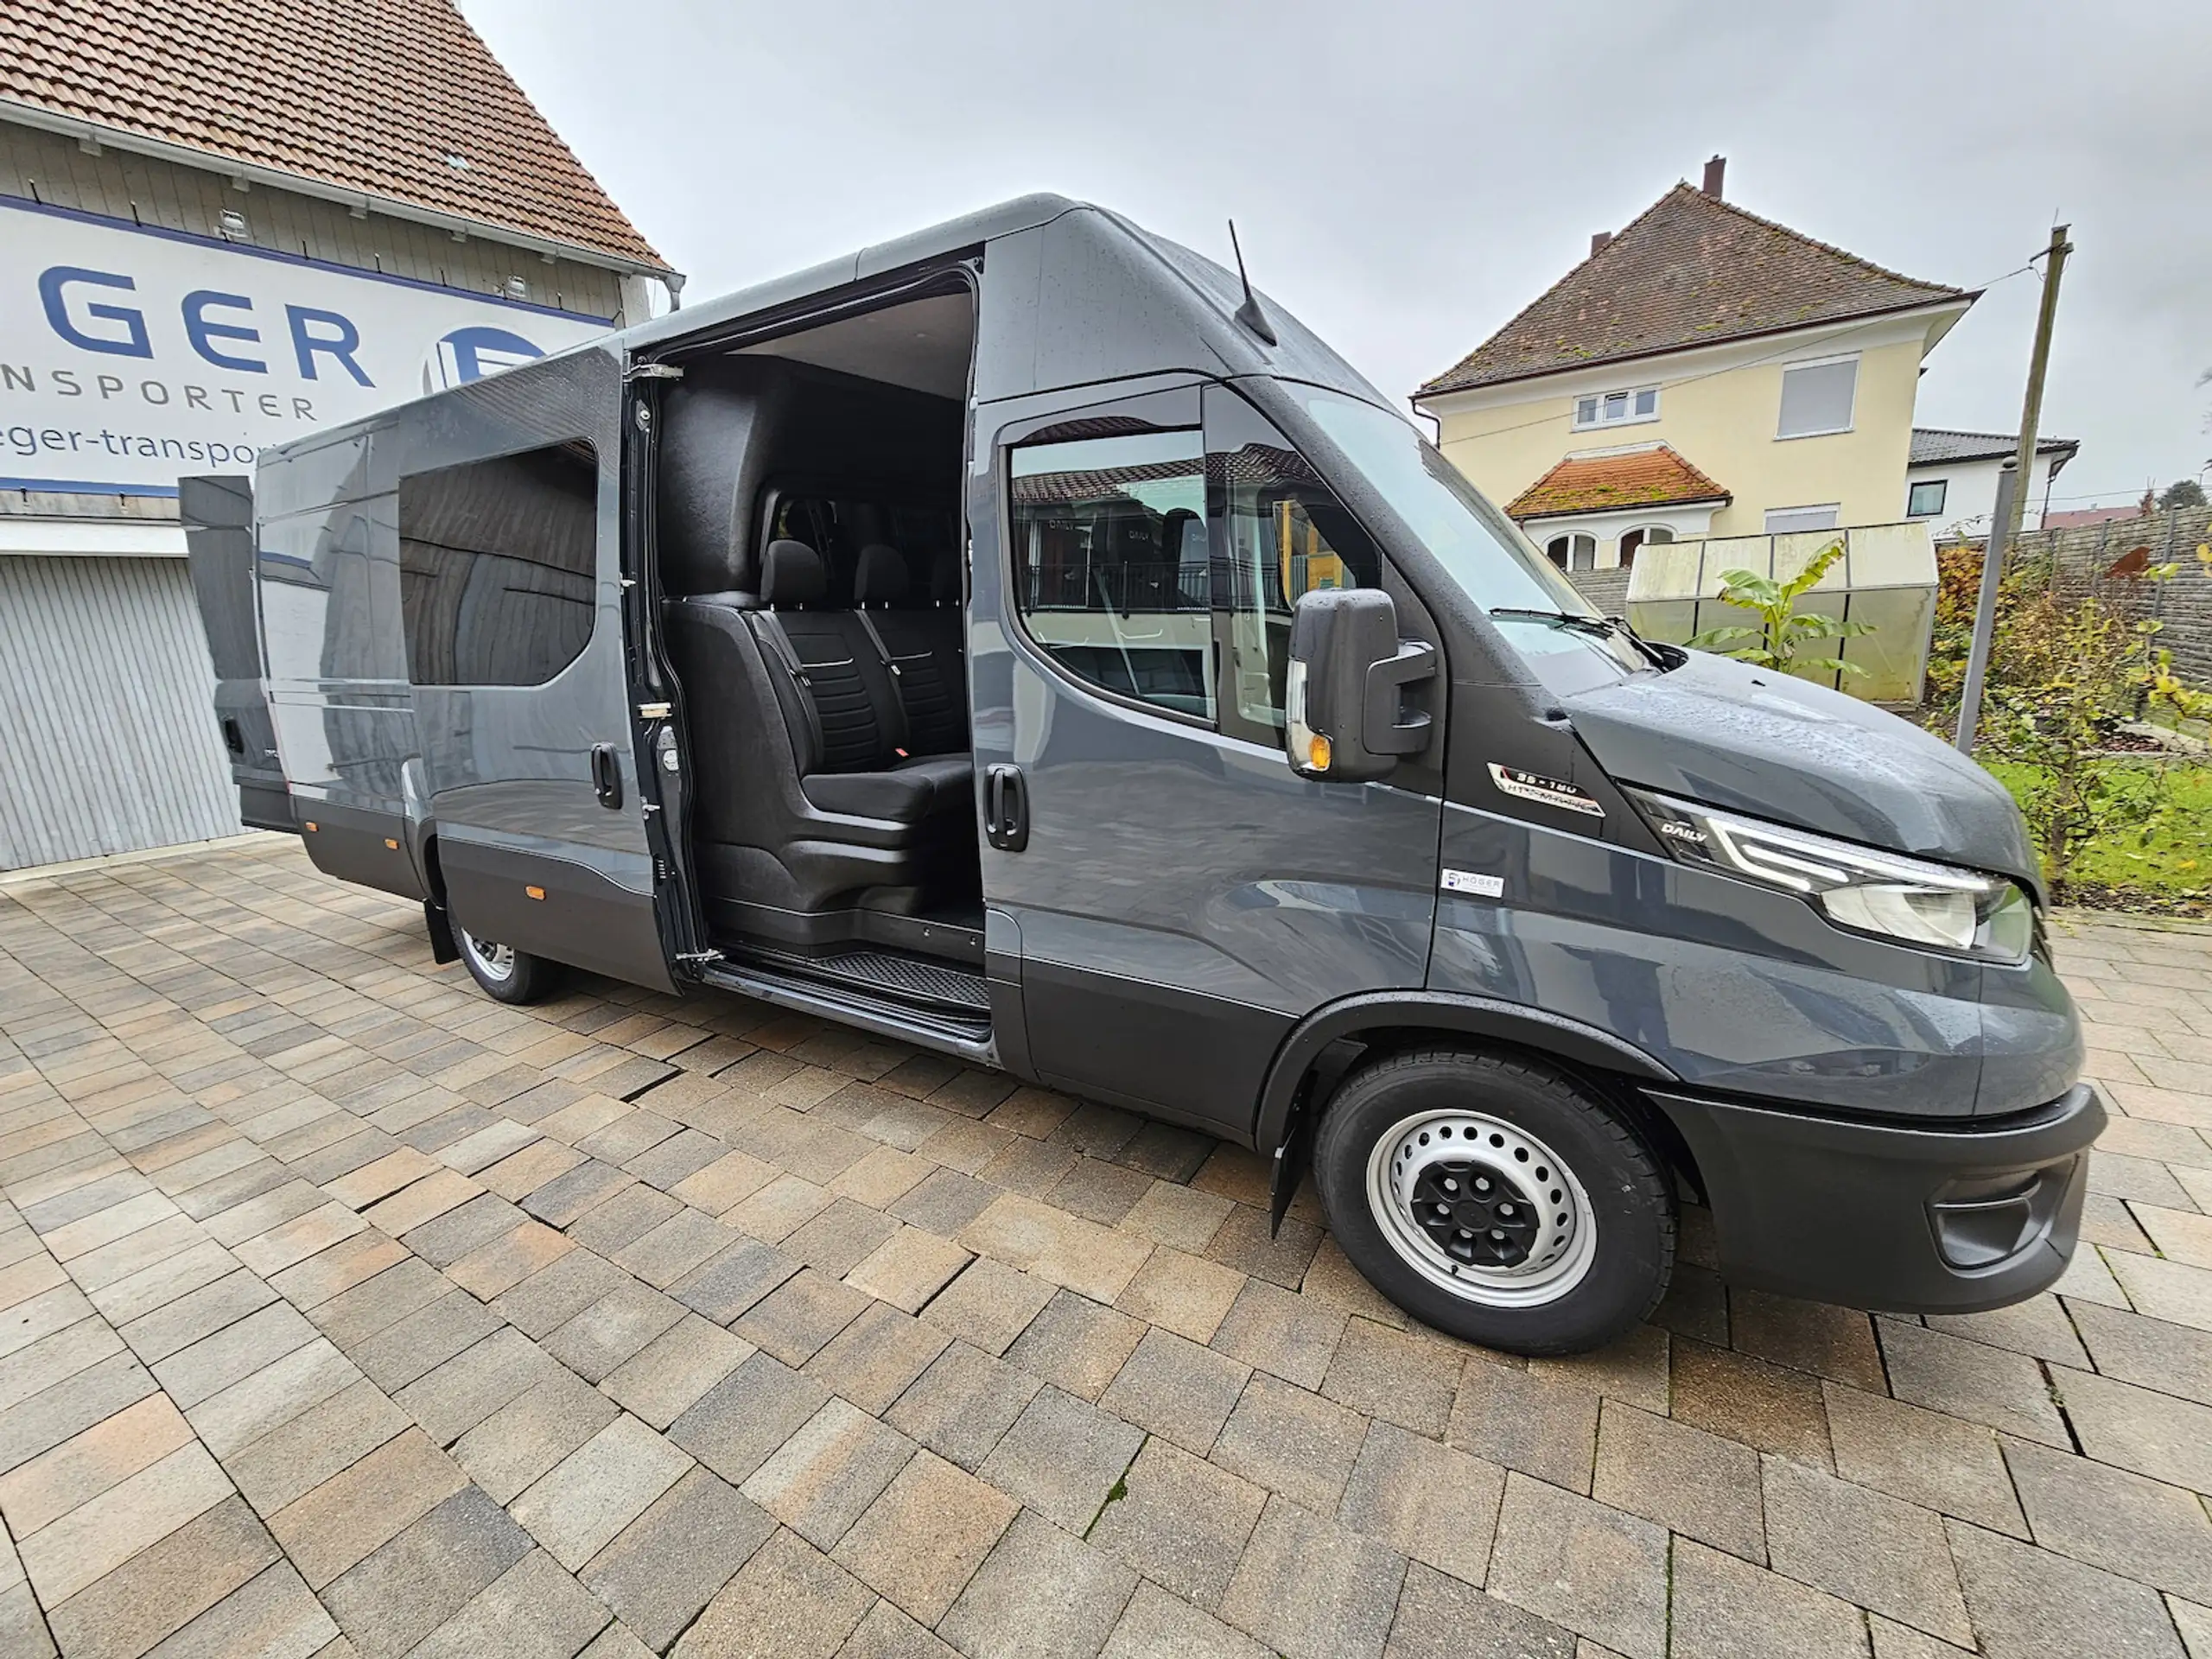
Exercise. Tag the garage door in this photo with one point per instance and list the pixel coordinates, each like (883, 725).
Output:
(108, 741)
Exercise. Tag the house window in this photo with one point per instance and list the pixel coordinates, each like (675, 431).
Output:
(1573, 552)
(1816, 397)
(1925, 499)
(1787, 521)
(1634, 541)
(1617, 408)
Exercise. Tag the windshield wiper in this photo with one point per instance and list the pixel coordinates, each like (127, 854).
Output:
(1580, 619)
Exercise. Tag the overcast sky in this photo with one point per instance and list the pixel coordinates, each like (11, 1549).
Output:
(1405, 177)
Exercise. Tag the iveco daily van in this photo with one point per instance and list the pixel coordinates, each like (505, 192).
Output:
(1024, 641)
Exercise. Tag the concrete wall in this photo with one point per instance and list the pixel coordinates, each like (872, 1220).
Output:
(1718, 409)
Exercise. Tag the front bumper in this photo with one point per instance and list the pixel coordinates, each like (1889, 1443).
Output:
(1976, 1214)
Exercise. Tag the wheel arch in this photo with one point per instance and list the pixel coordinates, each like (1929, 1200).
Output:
(1386, 1022)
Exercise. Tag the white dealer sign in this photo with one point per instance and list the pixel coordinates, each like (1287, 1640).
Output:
(129, 357)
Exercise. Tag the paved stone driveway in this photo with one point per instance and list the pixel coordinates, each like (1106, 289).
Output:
(347, 1310)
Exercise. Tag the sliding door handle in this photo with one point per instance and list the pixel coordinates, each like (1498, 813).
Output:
(1006, 809)
(606, 775)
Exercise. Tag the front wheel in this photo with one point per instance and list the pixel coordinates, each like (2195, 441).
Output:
(1491, 1198)
(505, 973)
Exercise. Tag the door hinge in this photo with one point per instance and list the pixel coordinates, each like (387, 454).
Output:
(699, 958)
(648, 808)
(652, 371)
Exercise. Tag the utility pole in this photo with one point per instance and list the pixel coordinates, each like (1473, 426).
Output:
(2004, 526)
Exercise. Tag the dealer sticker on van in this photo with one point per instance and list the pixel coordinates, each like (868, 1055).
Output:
(1483, 886)
(1549, 792)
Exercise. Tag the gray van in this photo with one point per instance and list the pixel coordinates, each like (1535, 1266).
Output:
(1023, 641)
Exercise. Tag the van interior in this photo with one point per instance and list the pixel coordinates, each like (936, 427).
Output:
(809, 529)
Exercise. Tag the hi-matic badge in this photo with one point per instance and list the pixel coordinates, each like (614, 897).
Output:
(1547, 792)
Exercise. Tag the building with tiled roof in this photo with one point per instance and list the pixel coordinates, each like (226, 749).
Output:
(1703, 342)
(1951, 479)
(223, 224)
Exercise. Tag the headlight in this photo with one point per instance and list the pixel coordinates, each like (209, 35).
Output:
(1938, 907)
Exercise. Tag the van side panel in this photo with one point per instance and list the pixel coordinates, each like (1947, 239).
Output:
(328, 569)
(217, 514)
(508, 523)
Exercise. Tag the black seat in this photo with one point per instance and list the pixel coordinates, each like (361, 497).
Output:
(793, 813)
(920, 648)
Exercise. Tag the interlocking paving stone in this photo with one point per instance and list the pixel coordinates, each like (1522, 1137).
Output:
(1286, 1335)
(1869, 1548)
(1181, 1521)
(70, 1405)
(1185, 1295)
(2030, 1603)
(1440, 1616)
(1970, 1380)
(1062, 1457)
(197, 1313)
(410, 1586)
(298, 1455)
(1425, 1501)
(963, 1404)
(165, 1585)
(666, 1565)
(1402, 1379)
(789, 1598)
(1694, 1482)
(533, 1609)
(824, 1477)
(1040, 1590)
(2125, 1524)
(349, 1515)
(737, 1425)
(274, 1616)
(726, 1286)
(78, 1470)
(614, 1327)
(990, 1304)
(576, 1508)
(1725, 1608)
(1313, 1590)
(1923, 1457)
(456, 1394)
(1765, 1407)
(2151, 1353)
(1077, 1344)
(1158, 1625)
(1295, 1443)
(2152, 1433)
(795, 1320)
(1542, 1427)
(922, 1540)
(1583, 1565)
(1171, 1386)
(877, 1357)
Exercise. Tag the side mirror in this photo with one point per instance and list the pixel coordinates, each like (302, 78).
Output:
(1345, 713)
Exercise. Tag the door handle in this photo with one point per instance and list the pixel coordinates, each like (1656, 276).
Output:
(605, 776)
(1006, 809)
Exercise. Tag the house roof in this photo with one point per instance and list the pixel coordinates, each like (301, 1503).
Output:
(1690, 270)
(2088, 518)
(397, 99)
(1934, 445)
(1653, 477)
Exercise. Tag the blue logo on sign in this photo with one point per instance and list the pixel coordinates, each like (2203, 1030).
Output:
(471, 354)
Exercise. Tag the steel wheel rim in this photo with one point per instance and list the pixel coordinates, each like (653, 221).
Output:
(497, 961)
(1519, 1240)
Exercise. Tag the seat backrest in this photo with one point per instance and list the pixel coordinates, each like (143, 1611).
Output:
(837, 695)
(930, 677)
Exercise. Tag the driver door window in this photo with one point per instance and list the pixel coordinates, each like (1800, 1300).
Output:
(1282, 533)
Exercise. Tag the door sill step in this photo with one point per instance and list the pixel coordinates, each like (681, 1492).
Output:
(965, 1035)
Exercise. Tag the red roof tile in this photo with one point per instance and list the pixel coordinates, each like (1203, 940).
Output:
(1689, 270)
(377, 96)
(1641, 478)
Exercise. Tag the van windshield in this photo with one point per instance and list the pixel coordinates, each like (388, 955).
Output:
(1482, 550)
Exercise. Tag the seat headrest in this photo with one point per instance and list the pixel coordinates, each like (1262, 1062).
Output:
(880, 577)
(791, 574)
(944, 578)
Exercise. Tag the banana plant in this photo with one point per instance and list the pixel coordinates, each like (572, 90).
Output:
(1778, 640)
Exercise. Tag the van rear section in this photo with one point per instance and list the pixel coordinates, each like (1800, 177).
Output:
(217, 514)
(1027, 642)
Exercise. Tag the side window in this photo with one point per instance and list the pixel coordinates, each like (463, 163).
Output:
(1110, 563)
(496, 564)
(1280, 533)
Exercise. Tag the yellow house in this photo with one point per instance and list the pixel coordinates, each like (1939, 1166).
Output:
(1705, 372)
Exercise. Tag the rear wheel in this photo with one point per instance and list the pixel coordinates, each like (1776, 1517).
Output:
(1494, 1199)
(505, 973)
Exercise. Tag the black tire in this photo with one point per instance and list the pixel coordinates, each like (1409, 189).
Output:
(1595, 1249)
(525, 979)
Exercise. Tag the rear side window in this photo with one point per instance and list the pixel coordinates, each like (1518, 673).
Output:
(497, 563)
(1111, 564)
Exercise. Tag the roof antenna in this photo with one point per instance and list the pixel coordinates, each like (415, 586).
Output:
(1249, 312)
